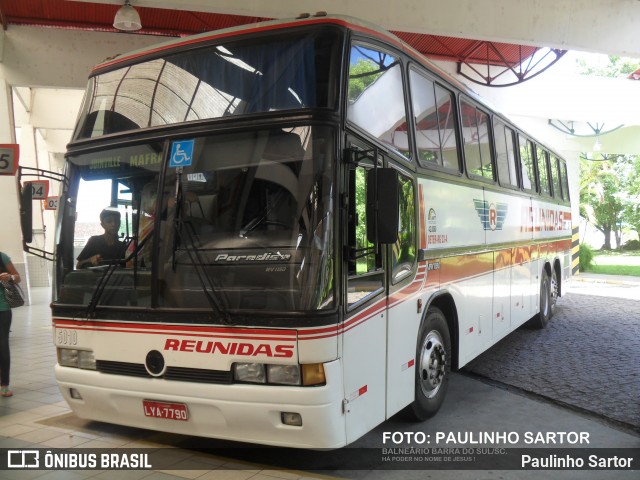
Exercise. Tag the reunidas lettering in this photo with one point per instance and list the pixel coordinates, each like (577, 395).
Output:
(229, 348)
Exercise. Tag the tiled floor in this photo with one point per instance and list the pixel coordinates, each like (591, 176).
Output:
(37, 417)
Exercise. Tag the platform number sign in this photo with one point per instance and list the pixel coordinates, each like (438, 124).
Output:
(39, 189)
(51, 203)
(9, 154)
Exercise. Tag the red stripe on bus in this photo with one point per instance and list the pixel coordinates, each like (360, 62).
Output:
(502, 258)
(453, 269)
(173, 329)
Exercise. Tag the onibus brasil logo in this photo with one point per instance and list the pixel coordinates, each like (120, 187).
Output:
(491, 215)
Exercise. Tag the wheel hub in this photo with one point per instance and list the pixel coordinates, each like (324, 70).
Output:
(554, 290)
(433, 361)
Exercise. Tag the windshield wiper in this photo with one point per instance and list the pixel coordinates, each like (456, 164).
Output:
(111, 267)
(208, 287)
(102, 283)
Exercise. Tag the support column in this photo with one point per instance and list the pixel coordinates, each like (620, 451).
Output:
(10, 236)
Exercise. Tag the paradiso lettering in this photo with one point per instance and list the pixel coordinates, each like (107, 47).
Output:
(229, 348)
(545, 220)
(223, 257)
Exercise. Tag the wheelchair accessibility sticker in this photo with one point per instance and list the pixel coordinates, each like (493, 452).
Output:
(181, 153)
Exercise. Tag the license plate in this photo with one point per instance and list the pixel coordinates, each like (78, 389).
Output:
(170, 411)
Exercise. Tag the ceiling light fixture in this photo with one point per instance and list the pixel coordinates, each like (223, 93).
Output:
(127, 18)
(597, 146)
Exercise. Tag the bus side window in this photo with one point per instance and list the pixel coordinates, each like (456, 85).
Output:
(376, 97)
(477, 150)
(505, 152)
(526, 162)
(365, 272)
(445, 102)
(565, 182)
(543, 171)
(435, 123)
(404, 250)
(555, 177)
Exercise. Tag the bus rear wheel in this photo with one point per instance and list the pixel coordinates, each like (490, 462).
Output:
(547, 303)
(433, 365)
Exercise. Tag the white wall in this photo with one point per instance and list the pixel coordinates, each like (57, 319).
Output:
(44, 57)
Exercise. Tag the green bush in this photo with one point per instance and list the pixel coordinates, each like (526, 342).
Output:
(586, 257)
(631, 245)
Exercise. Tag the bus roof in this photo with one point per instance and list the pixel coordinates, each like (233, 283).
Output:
(348, 22)
(345, 21)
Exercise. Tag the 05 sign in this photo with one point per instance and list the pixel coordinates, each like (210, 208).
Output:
(9, 154)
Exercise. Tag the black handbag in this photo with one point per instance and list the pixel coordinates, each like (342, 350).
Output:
(12, 291)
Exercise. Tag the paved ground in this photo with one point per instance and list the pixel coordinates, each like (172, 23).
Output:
(588, 357)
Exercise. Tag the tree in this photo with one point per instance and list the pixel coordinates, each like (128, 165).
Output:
(610, 194)
(599, 195)
(362, 74)
(610, 190)
(616, 67)
(632, 201)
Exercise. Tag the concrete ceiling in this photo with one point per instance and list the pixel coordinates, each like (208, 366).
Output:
(604, 26)
(163, 18)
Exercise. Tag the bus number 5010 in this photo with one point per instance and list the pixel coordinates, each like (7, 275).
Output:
(67, 337)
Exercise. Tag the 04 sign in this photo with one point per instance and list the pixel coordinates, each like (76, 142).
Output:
(39, 189)
(9, 154)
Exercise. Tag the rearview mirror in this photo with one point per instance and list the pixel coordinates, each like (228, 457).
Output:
(382, 205)
(26, 213)
(31, 190)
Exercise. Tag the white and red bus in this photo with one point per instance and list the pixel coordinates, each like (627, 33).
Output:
(319, 227)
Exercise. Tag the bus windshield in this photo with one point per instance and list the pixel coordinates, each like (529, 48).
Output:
(262, 74)
(245, 224)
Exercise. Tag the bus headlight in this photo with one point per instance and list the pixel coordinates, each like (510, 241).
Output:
(313, 374)
(249, 372)
(70, 357)
(284, 374)
(268, 374)
(86, 359)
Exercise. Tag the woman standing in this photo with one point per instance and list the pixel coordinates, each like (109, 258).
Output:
(7, 273)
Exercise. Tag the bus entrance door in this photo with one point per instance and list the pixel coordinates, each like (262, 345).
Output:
(365, 326)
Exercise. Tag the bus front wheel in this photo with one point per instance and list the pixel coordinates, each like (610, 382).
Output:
(433, 365)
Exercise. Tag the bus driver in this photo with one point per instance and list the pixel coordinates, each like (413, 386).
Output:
(105, 247)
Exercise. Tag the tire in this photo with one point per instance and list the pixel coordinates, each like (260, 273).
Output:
(554, 292)
(546, 310)
(433, 365)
